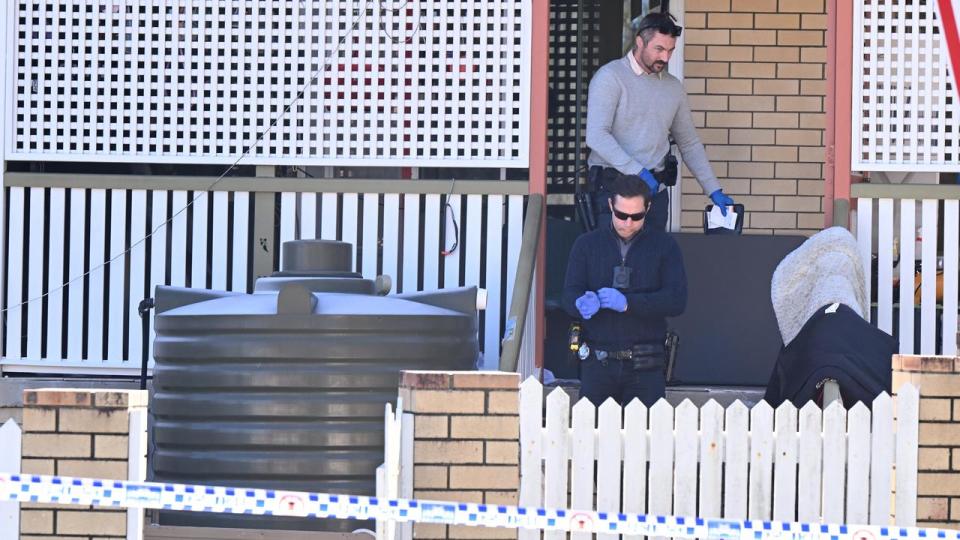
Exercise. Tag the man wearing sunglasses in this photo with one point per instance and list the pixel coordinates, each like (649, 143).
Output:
(623, 280)
(634, 107)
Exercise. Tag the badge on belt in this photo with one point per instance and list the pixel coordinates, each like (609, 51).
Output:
(584, 351)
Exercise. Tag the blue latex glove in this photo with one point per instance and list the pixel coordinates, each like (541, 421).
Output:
(722, 200)
(612, 299)
(647, 178)
(588, 304)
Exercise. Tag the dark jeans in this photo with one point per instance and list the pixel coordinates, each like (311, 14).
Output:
(656, 217)
(618, 380)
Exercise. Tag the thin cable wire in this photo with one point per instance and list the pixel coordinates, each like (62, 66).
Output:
(300, 94)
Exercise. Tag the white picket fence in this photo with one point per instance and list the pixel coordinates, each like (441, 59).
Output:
(876, 221)
(395, 475)
(92, 325)
(739, 463)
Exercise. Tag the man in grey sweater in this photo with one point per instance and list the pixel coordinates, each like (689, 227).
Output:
(633, 106)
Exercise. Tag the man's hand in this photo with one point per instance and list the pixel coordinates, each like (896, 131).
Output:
(612, 299)
(588, 304)
(722, 200)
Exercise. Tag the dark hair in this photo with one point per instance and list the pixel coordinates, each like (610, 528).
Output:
(663, 23)
(630, 185)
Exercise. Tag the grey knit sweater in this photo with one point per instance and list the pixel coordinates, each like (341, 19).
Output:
(629, 117)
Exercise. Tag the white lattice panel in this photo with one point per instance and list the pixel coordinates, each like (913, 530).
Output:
(423, 83)
(905, 108)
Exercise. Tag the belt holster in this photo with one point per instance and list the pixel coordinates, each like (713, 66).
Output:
(648, 356)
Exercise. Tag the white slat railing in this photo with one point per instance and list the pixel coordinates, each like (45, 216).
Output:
(909, 238)
(91, 238)
(786, 464)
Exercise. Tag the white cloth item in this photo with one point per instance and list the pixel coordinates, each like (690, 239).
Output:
(825, 269)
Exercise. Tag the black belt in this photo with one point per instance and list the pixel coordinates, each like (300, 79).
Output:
(643, 355)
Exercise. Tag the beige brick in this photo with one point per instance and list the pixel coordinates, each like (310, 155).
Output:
(503, 452)
(813, 21)
(450, 495)
(812, 155)
(695, 86)
(503, 403)
(732, 53)
(429, 531)
(484, 477)
(774, 153)
(694, 20)
(56, 445)
(501, 497)
(447, 452)
(810, 187)
(954, 511)
(753, 70)
(932, 508)
(802, 6)
(92, 523)
(810, 221)
(426, 380)
(813, 87)
(778, 21)
(752, 136)
(753, 38)
(36, 419)
(776, 87)
(113, 470)
(708, 103)
(803, 38)
(460, 532)
(773, 220)
(753, 202)
(799, 137)
(446, 401)
(935, 409)
(757, 232)
(430, 427)
(776, 54)
(730, 20)
(956, 409)
(797, 170)
(430, 477)
(939, 434)
(933, 459)
(773, 187)
(796, 204)
(932, 484)
(800, 71)
(94, 421)
(699, 118)
(707, 37)
(813, 120)
(799, 103)
(752, 103)
(937, 385)
(754, 5)
(713, 135)
(776, 120)
(728, 153)
(484, 427)
(751, 170)
(729, 86)
(111, 446)
(691, 220)
(706, 69)
(38, 466)
(707, 5)
(729, 119)
(36, 522)
(487, 381)
(731, 186)
(120, 399)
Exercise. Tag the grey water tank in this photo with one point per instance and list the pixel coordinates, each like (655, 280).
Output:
(285, 388)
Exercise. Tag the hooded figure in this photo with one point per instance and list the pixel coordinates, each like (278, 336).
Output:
(819, 298)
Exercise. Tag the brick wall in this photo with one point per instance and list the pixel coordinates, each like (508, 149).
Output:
(466, 442)
(938, 462)
(77, 433)
(755, 73)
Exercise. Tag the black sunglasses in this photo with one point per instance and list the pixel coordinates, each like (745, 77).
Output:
(664, 25)
(623, 216)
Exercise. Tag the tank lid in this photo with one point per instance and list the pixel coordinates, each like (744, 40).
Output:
(319, 258)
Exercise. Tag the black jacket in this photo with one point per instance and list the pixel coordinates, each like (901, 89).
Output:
(658, 286)
(840, 346)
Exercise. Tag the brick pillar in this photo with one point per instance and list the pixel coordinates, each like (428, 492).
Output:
(938, 461)
(466, 442)
(84, 433)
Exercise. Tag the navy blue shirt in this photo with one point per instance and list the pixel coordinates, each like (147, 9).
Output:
(658, 286)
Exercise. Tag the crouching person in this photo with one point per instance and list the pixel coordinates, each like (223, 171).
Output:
(623, 281)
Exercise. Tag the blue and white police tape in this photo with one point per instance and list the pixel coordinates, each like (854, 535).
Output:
(195, 498)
